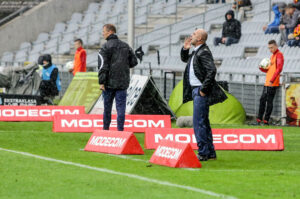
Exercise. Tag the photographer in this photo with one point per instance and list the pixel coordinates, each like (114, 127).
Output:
(50, 85)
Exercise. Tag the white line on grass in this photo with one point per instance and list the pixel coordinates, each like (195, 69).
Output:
(104, 170)
(126, 157)
(212, 170)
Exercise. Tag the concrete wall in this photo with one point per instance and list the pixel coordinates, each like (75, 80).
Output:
(41, 18)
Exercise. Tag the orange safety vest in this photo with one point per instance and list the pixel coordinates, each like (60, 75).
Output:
(79, 61)
(271, 71)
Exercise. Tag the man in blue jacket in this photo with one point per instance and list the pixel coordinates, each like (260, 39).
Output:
(273, 27)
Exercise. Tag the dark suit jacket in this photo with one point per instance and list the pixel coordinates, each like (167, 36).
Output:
(205, 70)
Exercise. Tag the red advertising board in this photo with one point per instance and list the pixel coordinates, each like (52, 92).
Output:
(114, 142)
(88, 123)
(37, 113)
(175, 154)
(223, 139)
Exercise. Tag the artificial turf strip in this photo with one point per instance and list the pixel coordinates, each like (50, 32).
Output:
(242, 174)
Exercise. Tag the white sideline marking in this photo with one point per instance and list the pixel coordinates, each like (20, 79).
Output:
(126, 157)
(104, 170)
(203, 170)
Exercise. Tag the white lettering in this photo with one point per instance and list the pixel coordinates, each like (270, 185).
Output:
(143, 123)
(33, 113)
(183, 138)
(36, 112)
(247, 141)
(159, 123)
(66, 123)
(168, 152)
(85, 123)
(233, 141)
(158, 137)
(59, 111)
(8, 113)
(217, 138)
(107, 141)
(98, 123)
(127, 124)
(45, 113)
(71, 112)
(113, 123)
(21, 113)
(186, 138)
(260, 138)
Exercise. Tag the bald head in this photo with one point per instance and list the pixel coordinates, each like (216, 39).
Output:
(199, 36)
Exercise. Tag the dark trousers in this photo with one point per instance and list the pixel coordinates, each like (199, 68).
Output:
(293, 42)
(229, 41)
(120, 96)
(272, 30)
(201, 124)
(266, 100)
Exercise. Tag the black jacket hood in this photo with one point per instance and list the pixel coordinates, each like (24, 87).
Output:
(230, 12)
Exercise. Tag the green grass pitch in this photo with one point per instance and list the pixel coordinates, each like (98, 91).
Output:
(235, 174)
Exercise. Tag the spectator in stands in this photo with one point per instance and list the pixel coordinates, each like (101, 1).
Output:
(79, 58)
(114, 60)
(242, 3)
(273, 27)
(231, 32)
(200, 86)
(288, 21)
(294, 39)
(297, 4)
(50, 84)
(223, 1)
(271, 84)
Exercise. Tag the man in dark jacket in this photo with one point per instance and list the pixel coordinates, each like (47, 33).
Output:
(50, 84)
(200, 86)
(288, 21)
(231, 32)
(115, 59)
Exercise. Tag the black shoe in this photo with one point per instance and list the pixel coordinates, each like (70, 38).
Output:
(212, 156)
(202, 158)
(266, 123)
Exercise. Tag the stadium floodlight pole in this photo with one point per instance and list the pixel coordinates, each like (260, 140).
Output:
(131, 25)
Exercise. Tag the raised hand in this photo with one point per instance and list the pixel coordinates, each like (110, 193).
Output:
(187, 43)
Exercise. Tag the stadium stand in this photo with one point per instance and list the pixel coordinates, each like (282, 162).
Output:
(13, 8)
(161, 26)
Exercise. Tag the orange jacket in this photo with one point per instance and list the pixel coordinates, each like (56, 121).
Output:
(274, 70)
(79, 61)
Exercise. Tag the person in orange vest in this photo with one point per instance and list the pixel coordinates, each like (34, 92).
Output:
(79, 58)
(272, 83)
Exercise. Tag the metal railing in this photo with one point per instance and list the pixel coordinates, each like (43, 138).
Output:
(169, 28)
(247, 92)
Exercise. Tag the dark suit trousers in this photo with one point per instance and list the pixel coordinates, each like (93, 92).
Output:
(201, 124)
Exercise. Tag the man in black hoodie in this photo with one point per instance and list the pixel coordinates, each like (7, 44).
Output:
(231, 32)
(115, 59)
(50, 84)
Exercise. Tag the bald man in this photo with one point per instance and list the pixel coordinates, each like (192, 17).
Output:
(199, 85)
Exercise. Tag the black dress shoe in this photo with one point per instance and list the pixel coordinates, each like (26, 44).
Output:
(202, 158)
(212, 156)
